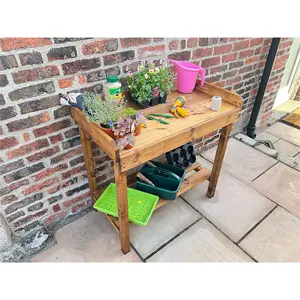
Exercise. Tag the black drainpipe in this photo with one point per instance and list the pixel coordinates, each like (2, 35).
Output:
(262, 87)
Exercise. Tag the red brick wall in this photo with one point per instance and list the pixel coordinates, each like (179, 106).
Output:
(42, 174)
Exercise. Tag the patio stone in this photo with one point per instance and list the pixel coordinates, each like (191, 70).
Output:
(281, 184)
(245, 139)
(200, 243)
(58, 254)
(234, 209)
(285, 132)
(276, 239)
(264, 136)
(241, 161)
(286, 151)
(94, 239)
(267, 150)
(164, 224)
(297, 162)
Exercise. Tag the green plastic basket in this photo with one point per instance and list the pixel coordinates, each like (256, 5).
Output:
(140, 205)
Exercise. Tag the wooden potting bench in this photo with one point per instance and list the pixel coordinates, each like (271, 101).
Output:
(157, 139)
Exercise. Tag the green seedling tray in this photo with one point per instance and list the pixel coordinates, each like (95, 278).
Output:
(140, 205)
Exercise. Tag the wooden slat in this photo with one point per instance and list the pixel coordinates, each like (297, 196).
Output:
(194, 166)
(103, 140)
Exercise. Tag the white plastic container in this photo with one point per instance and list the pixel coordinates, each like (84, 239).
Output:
(112, 88)
(216, 102)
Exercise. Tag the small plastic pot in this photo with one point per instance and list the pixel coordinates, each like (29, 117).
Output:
(163, 99)
(144, 104)
(154, 101)
(108, 131)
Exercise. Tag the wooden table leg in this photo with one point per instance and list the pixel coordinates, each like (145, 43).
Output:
(213, 180)
(121, 186)
(88, 159)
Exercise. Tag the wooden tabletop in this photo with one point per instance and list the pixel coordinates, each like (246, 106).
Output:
(158, 138)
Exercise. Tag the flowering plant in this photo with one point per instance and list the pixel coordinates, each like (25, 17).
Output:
(149, 82)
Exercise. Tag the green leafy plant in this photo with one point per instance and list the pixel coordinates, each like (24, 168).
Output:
(149, 82)
(102, 111)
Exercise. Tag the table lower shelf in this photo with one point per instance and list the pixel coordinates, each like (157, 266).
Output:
(200, 175)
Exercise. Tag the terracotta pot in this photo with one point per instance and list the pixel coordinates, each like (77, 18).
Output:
(108, 131)
(138, 130)
(128, 147)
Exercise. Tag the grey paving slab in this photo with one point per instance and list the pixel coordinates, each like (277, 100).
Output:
(265, 136)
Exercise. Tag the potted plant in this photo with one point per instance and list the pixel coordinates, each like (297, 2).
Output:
(102, 111)
(165, 83)
(137, 117)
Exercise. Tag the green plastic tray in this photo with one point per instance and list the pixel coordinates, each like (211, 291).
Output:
(140, 205)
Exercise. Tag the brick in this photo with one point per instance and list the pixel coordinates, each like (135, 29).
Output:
(192, 42)
(100, 46)
(62, 53)
(230, 74)
(51, 128)
(15, 216)
(14, 186)
(132, 42)
(203, 41)
(81, 65)
(15, 206)
(31, 58)
(76, 170)
(34, 225)
(248, 75)
(36, 206)
(251, 60)
(32, 91)
(49, 172)
(28, 122)
(245, 69)
(77, 190)
(173, 45)
(35, 74)
(56, 207)
(65, 82)
(256, 42)
(40, 186)
(246, 53)
(79, 207)
(219, 69)
(158, 40)
(55, 217)
(25, 149)
(184, 55)
(113, 71)
(118, 57)
(8, 199)
(71, 143)
(82, 79)
(71, 132)
(234, 80)
(56, 138)
(2, 101)
(212, 41)
(66, 40)
(222, 49)
(75, 200)
(223, 40)
(3, 81)
(199, 53)
(8, 44)
(40, 104)
(210, 62)
(7, 113)
(7, 62)
(11, 166)
(24, 172)
(151, 51)
(62, 111)
(96, 76)
(229, 57)
(30, 218)
(54, 199)
(236, 64)
(250, 81)
(43, 154)
(66, 155)
(62, 185)
(237, 86)
(213, 78)
(76, 161)
(183, 44)
(241, 45)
